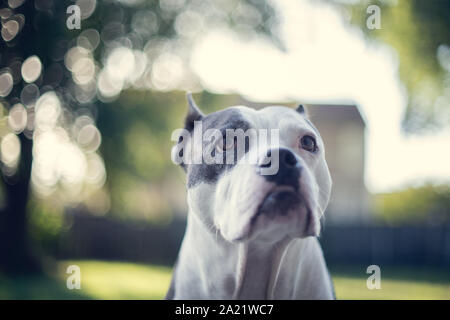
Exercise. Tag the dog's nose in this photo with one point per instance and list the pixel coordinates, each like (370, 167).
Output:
(289, 168)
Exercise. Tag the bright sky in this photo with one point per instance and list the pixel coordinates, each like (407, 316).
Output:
(327, 62)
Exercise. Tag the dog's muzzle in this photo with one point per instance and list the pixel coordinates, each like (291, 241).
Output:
(285, 194)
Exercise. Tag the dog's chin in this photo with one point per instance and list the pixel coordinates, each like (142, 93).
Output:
(282, 211)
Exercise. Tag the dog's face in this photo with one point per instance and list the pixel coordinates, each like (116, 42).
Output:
(263, 189)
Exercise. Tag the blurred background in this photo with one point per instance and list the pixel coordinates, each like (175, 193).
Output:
(86, 116)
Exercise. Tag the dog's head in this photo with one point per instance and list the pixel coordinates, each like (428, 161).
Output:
(254, 174)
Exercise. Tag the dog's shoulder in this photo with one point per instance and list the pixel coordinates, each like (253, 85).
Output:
(170, 295)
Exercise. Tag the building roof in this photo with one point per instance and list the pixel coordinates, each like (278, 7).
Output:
(332, 113)
(339, 110)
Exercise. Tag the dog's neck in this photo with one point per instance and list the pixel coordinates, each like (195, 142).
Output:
(219, 269)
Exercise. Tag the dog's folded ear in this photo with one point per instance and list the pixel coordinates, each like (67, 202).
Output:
(300, 109)
(194, 113)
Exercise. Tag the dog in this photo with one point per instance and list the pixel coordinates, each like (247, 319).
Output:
(252, 234)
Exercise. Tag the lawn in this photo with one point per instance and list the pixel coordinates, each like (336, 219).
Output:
(396, 283)
(120, 280)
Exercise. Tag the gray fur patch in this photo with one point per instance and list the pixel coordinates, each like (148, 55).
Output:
(221, 120)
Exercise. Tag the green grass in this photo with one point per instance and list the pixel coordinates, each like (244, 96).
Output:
(396, 283)
(120, 280)
(99, 280)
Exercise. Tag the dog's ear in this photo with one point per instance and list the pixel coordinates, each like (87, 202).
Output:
(300, 109)
(194, 113)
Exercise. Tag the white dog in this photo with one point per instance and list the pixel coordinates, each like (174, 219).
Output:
(250, 234)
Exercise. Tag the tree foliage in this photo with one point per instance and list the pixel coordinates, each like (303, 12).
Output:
(415, 206)
(419, 31)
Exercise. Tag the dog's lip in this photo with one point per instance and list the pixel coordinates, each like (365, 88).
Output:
(247, 232)
(282, 188)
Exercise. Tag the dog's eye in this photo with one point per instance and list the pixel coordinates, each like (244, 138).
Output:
(225, 144)
(308, 143)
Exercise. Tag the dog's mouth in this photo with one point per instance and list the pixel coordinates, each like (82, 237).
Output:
(280, 205)
(279, 200)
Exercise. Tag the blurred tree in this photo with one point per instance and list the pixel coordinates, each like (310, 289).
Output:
(420, 33)
(56, 84)
(429, 204)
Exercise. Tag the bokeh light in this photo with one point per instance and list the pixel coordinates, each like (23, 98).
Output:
(10, 29)
(89, 39)
(167, 72)
(89, 138)
(13, 4)
(6, 83)
(10, 150)
(87, 7)
(31, 69)
(47, 111)
(29, 94)
(17, 118)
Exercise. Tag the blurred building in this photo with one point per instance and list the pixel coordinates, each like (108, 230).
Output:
(342, 128)
(343, 131)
